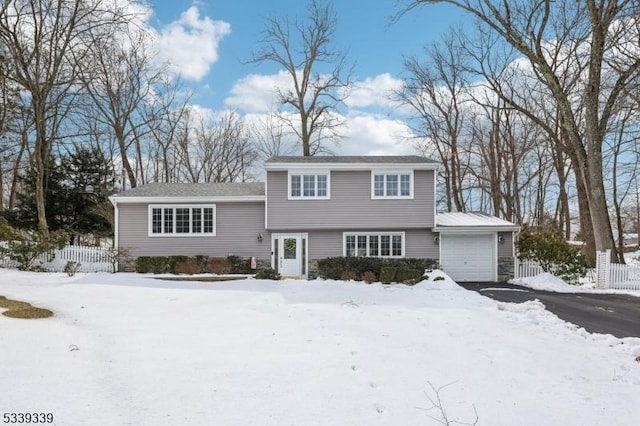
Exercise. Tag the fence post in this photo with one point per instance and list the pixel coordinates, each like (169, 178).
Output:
(603, 262)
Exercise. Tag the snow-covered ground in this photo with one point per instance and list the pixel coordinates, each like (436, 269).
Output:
(127, 349)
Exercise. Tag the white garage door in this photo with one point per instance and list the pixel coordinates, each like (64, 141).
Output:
(468, 257)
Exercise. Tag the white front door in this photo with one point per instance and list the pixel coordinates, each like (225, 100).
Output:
(290, 255)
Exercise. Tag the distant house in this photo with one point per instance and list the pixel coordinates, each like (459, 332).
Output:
(312, 208)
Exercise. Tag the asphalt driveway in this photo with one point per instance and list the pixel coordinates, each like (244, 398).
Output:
(615, 314)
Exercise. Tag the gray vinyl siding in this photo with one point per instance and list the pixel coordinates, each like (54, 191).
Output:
(505, 249)
(237, 229)
(419, 243)
(350, 206)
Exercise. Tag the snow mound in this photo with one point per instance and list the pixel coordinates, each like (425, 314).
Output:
(546, 281)
(438, 280)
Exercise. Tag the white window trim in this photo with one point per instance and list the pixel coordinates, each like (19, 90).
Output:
(390, 233)
(392, 172)
(310, 172)
(150, 232)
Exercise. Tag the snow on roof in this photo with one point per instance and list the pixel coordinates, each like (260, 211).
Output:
(471, 220)
(350, 159)
(195, 190)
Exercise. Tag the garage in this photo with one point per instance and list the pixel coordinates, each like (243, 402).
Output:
(468, 257)
(475, 246)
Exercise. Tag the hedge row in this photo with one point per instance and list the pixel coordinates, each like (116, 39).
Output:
(372, 269)
(193, 265)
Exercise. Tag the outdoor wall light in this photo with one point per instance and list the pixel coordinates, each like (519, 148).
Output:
(501, 239)
(436, 239)
(259, 238)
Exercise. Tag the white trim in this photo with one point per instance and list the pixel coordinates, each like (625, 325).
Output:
(116, 226)
(350, 166)
(309, 172)
(266, 206)
(474, 229)
(377, 233)
(151, 234)
(185, 199)
(396, 172)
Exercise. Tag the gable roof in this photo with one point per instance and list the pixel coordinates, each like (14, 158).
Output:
(353, 159)
(351, 162)
(472, 221)
(193, 192)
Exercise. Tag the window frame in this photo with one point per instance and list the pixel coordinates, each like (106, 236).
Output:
(379, 235)
(398, 177)
(308, 173)
(174, 220)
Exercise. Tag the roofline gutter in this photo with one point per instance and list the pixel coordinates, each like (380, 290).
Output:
(474, 229)
(186, 200)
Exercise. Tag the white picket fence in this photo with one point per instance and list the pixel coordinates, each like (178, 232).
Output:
(606, 275)
(527, 268)
(615, 276)
(91, 259)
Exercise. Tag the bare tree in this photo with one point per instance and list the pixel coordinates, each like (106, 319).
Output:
(318, 72)
(436, 89)
(47, 41)
(608, 29)
(119, 76)
(215, 150)
(268, 137)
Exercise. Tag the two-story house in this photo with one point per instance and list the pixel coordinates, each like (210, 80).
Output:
(310, 208)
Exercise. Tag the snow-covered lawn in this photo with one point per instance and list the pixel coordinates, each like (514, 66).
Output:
(127, 349)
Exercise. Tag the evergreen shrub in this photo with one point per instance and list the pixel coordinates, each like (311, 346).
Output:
(333, 267)
(549, 248)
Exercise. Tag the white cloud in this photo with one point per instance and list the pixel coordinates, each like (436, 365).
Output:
(374, 135)
(256, 92)
(374, 91)
(191, 43)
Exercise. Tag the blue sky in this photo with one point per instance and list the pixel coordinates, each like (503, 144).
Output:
(210, 40)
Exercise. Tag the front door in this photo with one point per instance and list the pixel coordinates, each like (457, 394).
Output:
(290, 255)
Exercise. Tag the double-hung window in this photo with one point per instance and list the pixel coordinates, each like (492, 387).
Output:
(308, 186)
(182, 220)
(383, 244)
(392, 185)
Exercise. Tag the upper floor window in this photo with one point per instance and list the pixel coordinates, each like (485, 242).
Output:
(392, 185)
(308, 186)
(182, 220)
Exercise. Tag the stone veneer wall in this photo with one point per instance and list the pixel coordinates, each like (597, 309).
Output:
(313, 269)
(506, 268)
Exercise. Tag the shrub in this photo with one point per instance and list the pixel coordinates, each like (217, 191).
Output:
(189, 266)
(239, 265)
(268, 274)
(388, 275)
(173, 261)
(333, 267)
(71, 267)
(155, 264)
(368, 277)
(348, 276)
(8, 233)
(438, 278)
(218, 265)
(26, 250)
(553, 253)
(408, 276)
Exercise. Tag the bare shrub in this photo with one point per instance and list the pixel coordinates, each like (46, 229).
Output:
(368, 277)
(218, 265)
